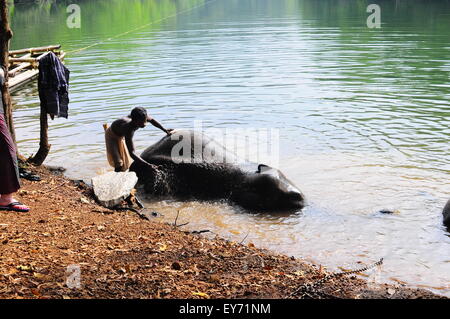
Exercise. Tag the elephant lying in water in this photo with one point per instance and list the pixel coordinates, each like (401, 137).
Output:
(191, 165)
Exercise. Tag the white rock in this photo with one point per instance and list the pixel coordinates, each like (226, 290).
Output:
(111, 188)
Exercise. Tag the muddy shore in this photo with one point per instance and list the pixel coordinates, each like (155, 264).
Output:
(123, 256)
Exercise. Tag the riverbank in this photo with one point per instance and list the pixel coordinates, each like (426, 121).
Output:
(123, 256)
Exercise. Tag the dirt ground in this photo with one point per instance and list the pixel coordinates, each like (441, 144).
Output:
(120, 255)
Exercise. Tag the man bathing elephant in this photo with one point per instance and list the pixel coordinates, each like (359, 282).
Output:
(119, 138)
(191, 165)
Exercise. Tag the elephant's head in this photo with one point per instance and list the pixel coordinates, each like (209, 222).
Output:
(268, 189)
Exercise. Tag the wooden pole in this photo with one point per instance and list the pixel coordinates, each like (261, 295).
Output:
(44, 147)
(35, 50)
(5, 36)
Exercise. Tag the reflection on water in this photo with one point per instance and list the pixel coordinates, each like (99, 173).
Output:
(363, 114)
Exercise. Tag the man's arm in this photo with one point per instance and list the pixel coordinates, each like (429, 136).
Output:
(130, 146)
(155, 123)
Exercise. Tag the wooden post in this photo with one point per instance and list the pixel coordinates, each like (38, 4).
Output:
(5, 36)
(44, 147)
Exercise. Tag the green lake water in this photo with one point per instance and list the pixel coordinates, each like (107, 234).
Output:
(363, 114)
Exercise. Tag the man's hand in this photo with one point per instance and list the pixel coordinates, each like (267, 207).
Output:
(170, 131)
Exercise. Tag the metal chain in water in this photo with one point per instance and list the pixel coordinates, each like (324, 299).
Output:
(306, 289)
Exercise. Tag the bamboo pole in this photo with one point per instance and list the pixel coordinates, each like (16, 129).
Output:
(28, 59)
(35, 50)
(12, 73)
(20, 79)
(22, 60)
(16, 68)
(5, 36)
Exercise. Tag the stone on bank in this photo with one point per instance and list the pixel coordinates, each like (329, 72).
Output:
(112, 188)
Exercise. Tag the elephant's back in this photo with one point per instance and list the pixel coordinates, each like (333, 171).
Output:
(189, 145)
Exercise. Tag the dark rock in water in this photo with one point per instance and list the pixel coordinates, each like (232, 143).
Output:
(80, 184)
(388, 211)
(192, 165)
(112, 188)
(446, 213)
(56, 170)
(149, 215)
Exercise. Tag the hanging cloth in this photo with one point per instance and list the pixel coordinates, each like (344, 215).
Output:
(53, 86)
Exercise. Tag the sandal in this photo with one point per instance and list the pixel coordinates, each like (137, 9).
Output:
(29, 175)
(16, 207)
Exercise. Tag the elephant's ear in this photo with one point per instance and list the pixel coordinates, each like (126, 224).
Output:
(263, 167)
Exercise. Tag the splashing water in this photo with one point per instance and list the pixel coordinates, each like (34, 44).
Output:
(161, 182)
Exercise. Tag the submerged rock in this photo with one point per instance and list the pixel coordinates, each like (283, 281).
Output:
(446, 213)
(389, 211)
(112, 188)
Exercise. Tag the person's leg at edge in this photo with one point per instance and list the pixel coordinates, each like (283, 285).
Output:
(10, 182)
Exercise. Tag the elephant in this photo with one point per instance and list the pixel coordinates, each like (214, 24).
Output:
(446, 214)
(190, 165)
